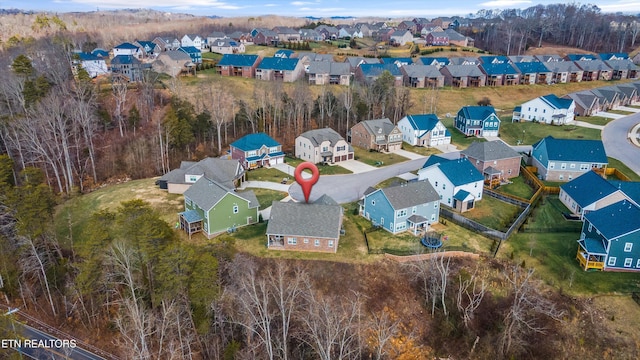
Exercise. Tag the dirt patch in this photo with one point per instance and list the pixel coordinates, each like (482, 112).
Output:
(550, 49)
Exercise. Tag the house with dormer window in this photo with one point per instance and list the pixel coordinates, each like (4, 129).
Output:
(477, 121)
(424, 130)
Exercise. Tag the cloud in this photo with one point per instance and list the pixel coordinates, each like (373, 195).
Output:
(270, 5)
(301, 3)
(158, 3)
(504, 3)
(621, 6)
(323, 10)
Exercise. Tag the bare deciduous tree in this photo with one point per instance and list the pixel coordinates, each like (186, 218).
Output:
(119, 88)
(470, 295)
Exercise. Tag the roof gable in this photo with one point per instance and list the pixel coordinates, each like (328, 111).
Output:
(458, 171)
(478, 112)
(616, 219)
(318, 136)
(490, 151)
(278, 63)
(410, 194)
(556, 102)
(588, 188)
(239, 60)
(424, 122)
(254, 142)
(589, 151)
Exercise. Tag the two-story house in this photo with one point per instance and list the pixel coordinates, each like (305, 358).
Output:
(477, 121)
(610, 238)
(422, 76)
(566, 159)
(92, 64)
(323, 146)
(410, 207)
(280, 69)
(329, 72)
(457, 182)
(496, 160)
(127, 49)
(424, 130)
(589, 192)
(378, 135)
(257, 150)
(548, 109)
(128, 66)
(238, 65)
(299, 226)
(226, 172)
(194, 40)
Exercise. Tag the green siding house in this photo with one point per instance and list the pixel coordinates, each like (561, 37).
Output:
(214, 209)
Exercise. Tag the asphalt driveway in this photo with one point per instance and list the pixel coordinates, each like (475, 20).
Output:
(615, 138)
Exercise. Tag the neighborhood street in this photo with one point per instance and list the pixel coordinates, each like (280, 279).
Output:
(615, 137)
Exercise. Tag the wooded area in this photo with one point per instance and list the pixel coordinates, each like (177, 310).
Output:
(128, 281)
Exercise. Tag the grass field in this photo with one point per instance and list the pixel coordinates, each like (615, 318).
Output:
(266, 196)
(375, 158)
(422, 150)
(268, 174)
(529, 132)
(322, 168)
(458, 138)
(493, 213)
(617, 164)
(595, 120)
(518, 187)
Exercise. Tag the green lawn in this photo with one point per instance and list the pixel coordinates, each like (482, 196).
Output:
(268, 174)
(595, 120)
(529, 132)
(212, 56)
(493, 213)
(422, 150)
(375, 158)
(617, 164)
(547, 216)
(390, 182)
(620, 112)
(518, 187)
(322, 168)
(458, 138)
(266, 196)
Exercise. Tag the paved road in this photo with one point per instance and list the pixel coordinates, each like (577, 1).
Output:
(617, 144)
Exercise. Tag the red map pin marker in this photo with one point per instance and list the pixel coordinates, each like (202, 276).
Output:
(307, 184)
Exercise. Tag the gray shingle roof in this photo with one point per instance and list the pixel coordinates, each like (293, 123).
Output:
(302, 219)
(490, 150)
(464, 70)
(411, 194)
(220, 170)
(331, 68)
(378, 126)
(206, 194)
(422, 71)
(317, 136)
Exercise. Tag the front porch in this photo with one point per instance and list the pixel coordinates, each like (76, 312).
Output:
(190, 221)
(591, 254)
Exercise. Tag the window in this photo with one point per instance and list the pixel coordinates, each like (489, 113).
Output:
(628, 262)
(235, 209)
(552, 165)
(584, 167)
(436, 184)
(448, 200)
(401, 226)
(572, 166)
(306, 241)
(509, 171)
(193, 178)
(435, 205)
(251, 153)
(611, 261)
(638, 263)
(628, 247)
(563, 166)
(381, 221)
(590, 227)
(444, 186)
(292, 241)
(317, 242)
(433, 217)
(331, 243)
(561, 177)
(414, 209)
(402, 212)
(373, 202)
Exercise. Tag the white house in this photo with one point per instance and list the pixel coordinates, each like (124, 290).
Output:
(323, 146)
(127, 49)
(94, 65)
(424, 130)
(192, 40)
(548, 109)
(457, 182)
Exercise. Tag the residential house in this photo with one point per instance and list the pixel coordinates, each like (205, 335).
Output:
(148, 48)
(238, 65)
(397, 61)
(325, 72)
(566, 159)
(194, 40)
(214, 36)
(306, 58)
(310, 35)
(437, 38)
(214, 209)
(299, 226)
(409, 207)
(493, 59)
(424, 130)
(631, 92)
(194, 53)
(226, 46)
(355, 62)
(462, 76)
(279, 69)
(546, 59)
(128, 66)
(500, 73)
(609, 99)
(533, 72)
(240, 37)
(589, 192)
(349, 33)
(564, 71)
(378, 135)
(328, 32)
(438, 62)
(623, 69)
(408, 26)
(92, 64)
(284, 53)
(172, 63)
(167, 43)
(580, 57)
(457, 182)
(400, 37)
(287, 34)
(455, 38)
(257, 150)
(613, 56)
(226, 172)
(593, 70)
(610, 238)
(422, 76)
(586, 103)
(101, 53)
(264, 37)
(477, 121)
(429, 28)
(127, 49)
(515, 59)
(322, 146)
(383, 35)
(365, 29)
(367, 73)
(496, 160)
(548, 109)
(465, 60)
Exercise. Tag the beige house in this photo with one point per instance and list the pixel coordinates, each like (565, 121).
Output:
(378, 135)
(323, 146)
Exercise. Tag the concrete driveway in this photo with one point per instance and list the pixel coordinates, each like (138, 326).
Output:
(409, 155)
(609, 115)
(356, 166)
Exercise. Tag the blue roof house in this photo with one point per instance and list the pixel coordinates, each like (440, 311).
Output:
(370, 72)
(194, 53)
(610, 238)
(280, 69)
(548, 109)
(458, 183)
(408, 207)
(94, 65)
(128, 66)
(500, 73)
(566, 159)
(257, 150)
(127, 49)
(424, 130)
(589, 192)
(238, 65)
(533, 72)
(477, 121)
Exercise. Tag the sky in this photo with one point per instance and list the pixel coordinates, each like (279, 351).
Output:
(316, 8)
